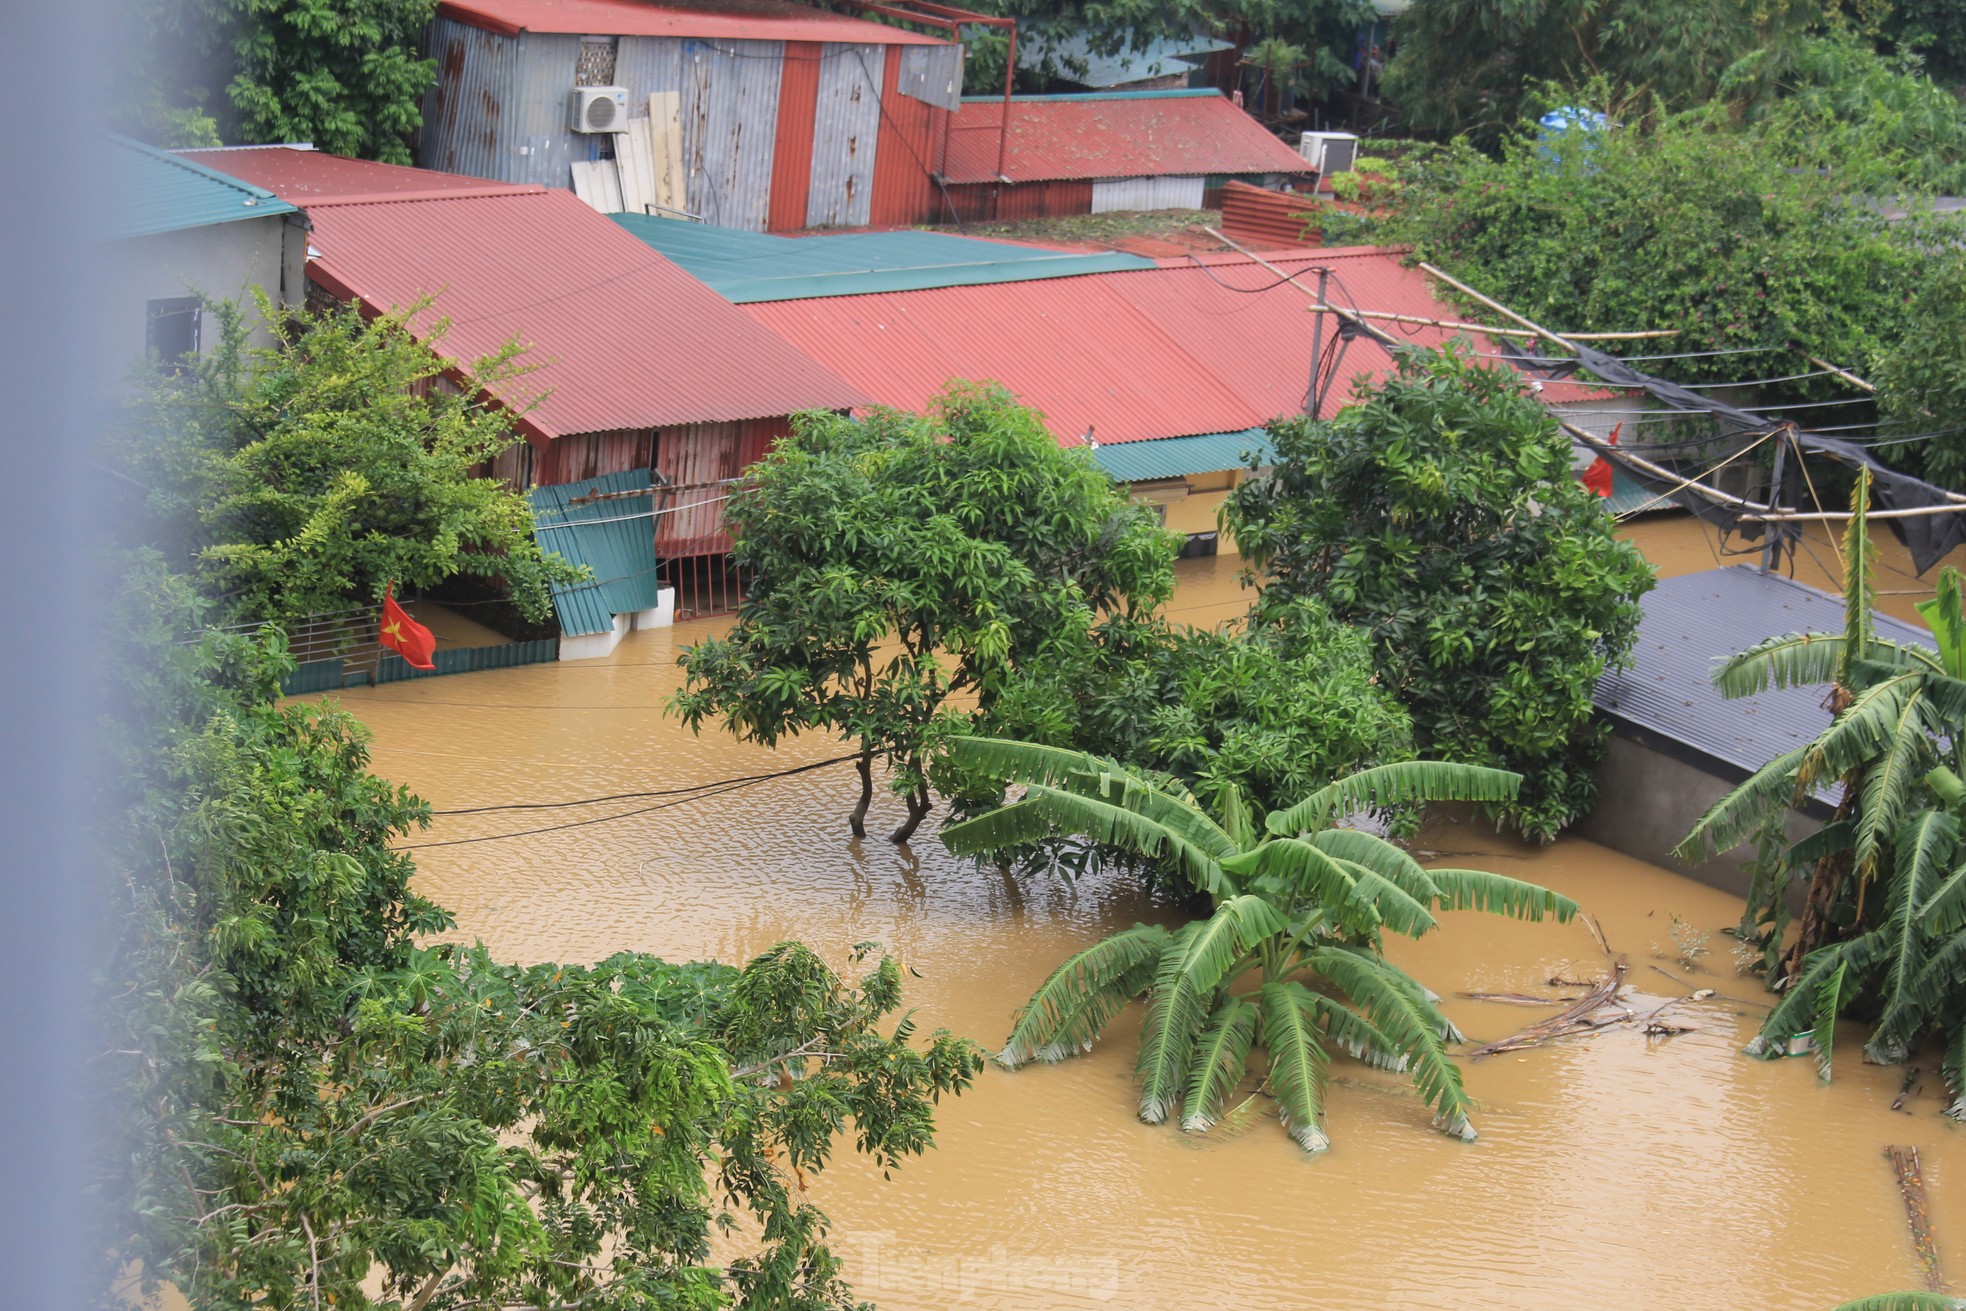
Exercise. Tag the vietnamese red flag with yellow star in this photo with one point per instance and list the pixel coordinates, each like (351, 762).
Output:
(404, 635)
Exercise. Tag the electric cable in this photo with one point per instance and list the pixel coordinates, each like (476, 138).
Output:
(639, 796)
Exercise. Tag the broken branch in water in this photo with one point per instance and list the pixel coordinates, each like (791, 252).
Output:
(1580, 1016)
(1918, 1213)
(1516, 998)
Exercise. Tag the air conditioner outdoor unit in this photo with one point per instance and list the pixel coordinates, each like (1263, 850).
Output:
(1329, 152)
(600, 109)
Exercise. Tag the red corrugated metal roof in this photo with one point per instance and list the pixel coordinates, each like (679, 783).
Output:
(1136, 134)
(759, 20)
(1172, 351)
(618, 336)
(313, 177)
(310, 177)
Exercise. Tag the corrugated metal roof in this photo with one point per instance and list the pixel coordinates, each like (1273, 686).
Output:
(1174, 457)
(621, 552)
(1697, 619)
(1212, 345)
(1114, 135)
(1073, 58)
(748, 267)
(765, 20)
(305, 176)
(150, 191)
(618, 337)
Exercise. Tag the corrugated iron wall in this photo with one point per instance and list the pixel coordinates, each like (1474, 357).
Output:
(846, 131)
(1114, 194)
(932, 74)
(698, 459)
(730, 117)
(911, 151)
(987, 202)
(594, 455)
(791, 168)
(502, 106)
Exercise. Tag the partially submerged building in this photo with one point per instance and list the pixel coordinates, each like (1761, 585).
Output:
(1677, 745)
(632, 366)
(749, 114)
(1120, 150)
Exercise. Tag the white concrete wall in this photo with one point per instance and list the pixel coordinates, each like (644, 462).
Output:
(224, 260)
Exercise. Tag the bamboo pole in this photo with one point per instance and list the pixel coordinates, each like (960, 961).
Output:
(1497, 306)
(1918, 1213)
(1844, 374)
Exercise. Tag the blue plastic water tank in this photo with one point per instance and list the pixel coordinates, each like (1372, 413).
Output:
(1553, 125)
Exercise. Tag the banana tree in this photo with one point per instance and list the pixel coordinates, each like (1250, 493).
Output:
(1884, 917)
(1289, 959)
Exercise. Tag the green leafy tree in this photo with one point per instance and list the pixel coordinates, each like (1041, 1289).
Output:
(1911, 1301)
(1290, 957)
(1440, 515)
(1730, 238)
(1883, 929)
(1271, 706)
(304, 478)
(318, 1107)
(907, 560)
(1921, 384)
(1472, 66)
(346, 75)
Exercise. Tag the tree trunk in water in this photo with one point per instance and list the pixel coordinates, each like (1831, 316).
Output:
(918, 808)
(1826, 881)
(858, 820)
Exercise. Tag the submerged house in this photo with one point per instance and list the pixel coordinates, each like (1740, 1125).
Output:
(635, 370)
(177, 231)
(751, 114)
(1677, 745)
(1117, 150)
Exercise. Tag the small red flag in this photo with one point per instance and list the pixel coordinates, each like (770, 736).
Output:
(404, 635)
(1598, 477)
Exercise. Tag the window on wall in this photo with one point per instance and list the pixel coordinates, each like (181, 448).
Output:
(171, 330)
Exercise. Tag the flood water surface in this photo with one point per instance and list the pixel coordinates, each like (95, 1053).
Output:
(1613, 1172)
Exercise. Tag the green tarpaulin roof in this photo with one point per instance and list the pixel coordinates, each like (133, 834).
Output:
(615, 538)
(1173, 457)
(152, 190)
(746, 267)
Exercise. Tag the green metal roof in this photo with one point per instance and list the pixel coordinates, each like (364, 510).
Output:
(1627, 497)
(747, 267)
(151, 190)
(1173, 457)
(615, 538)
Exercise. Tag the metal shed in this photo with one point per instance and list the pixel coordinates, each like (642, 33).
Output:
(788, 116)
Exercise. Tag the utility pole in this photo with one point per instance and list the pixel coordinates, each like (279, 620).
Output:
(1312, 400)
(1771, 550)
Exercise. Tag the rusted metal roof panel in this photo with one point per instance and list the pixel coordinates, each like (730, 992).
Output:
(619, 337)
(767, 20)
(1114, 135)
(847, 121)
(1212, 345)
(305, 177)
(912, 146)
(791, 164)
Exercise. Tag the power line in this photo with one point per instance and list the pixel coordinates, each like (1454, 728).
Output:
(636, 796)
(715, 791)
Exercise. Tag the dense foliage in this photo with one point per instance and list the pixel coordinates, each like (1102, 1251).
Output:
(1691, 225)
(1472, 66)
(304, 477)
(1290, 958)
(1270, 706)
(1921, 386)
(346, 75)
(318, 1107)
(1440, 515)
(1883, 884)
(905, 569)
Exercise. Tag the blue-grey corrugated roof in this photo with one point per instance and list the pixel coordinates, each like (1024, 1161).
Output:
(615, 538)
(148, 190)
(1172, 457)
(1072, 58)
(746, 267)
(1694, 621)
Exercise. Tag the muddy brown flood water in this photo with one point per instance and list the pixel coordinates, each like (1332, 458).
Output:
(1613, 1173)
